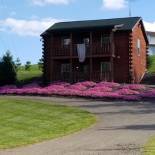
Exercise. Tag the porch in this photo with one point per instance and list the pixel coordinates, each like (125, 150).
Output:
(101, 70)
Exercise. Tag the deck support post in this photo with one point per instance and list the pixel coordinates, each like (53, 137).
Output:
(112, 43)
(71, 57)
(51, 60)
(91, 53)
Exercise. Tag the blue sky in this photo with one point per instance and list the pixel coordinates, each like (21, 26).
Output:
(22, 21)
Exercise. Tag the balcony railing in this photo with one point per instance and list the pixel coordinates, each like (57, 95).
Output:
(80, 76)
(98, 76)
(59, 51)
(105, 49)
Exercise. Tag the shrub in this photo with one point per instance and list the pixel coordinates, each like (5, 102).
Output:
(28, 66)
(7, 70)
(17, 64)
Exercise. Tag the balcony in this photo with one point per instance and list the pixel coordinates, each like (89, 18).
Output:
(95, 50)
(103, 50)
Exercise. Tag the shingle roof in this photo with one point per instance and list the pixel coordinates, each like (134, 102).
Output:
(128, 24)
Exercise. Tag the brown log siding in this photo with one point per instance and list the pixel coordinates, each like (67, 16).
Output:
(139, 61)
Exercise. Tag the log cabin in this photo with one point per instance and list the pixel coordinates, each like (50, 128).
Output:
(96, 50)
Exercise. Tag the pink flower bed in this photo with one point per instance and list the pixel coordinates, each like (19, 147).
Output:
(89, 89)
(127, 91)
(135, 87)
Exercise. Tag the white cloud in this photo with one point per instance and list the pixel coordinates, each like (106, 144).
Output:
(114, 4)
(26, 27)
(149, 26)
(52, 2)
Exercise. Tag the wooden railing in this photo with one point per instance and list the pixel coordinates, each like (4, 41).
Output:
(101, 50)
(60, 51)
(80, 76)
(98, 76)
(96, 50)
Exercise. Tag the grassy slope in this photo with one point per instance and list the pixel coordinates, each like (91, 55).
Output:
(27, 76)
(149, 148)
(29, 121)
(152, 64)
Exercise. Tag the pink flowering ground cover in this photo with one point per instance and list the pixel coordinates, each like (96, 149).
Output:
(89, 89)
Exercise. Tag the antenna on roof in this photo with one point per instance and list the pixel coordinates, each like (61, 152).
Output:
(130, 12)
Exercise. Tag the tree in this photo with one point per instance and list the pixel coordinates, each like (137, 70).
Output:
(40, 63)
(17, 64)
(7, 70)
(28, 66)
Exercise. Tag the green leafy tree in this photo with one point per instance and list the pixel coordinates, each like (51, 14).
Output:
(18, 64)
(40, 63)
(7, 69)
(28, 66)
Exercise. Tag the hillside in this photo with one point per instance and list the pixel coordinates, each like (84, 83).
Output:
(24, 76)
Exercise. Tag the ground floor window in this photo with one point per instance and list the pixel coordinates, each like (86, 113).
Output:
(65, 68)
(105, 67)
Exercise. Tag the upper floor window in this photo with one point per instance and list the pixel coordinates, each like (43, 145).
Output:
(66, 41)
(105, 39)
(86, 41)
(138, 46)
(151, 39)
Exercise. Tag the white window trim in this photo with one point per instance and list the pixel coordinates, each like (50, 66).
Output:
(138, 46)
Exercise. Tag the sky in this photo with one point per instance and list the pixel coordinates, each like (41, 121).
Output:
(22, 21)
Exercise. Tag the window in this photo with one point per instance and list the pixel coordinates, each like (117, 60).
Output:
(65, 68)
(105, 39)
(138, 46)
(152, 50)
(86, 41)
(105, 67)
(66, 41)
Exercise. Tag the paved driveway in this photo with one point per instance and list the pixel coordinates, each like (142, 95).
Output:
(122, 129)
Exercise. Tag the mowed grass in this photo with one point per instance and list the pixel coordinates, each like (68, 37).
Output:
(149, 148)
(25, 122)
(151, 68)
(34, 72)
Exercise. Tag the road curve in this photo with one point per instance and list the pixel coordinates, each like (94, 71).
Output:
(122, 129)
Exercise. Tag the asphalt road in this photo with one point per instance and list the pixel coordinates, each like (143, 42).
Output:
(122, 129)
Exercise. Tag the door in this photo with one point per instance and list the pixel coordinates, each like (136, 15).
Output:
(81, 72)
(65, 72)
(105, 71)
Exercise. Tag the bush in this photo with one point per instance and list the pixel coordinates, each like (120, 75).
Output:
(28, 66)
(7, 70)
(17, 64)
(151, 64)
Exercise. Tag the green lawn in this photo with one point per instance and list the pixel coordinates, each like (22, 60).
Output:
(28, 76)
(149, 148)
(151, 68)
(30, 121)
